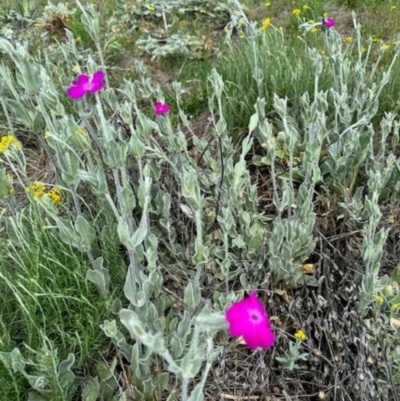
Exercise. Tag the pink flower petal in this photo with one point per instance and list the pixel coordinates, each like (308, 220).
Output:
(76, 92)
(161, 108)
(98, 76)
(84, 84)
(236, 315)
(249, 319)
(259, 337)
(96, 82)
(328, 22)
(82, 80)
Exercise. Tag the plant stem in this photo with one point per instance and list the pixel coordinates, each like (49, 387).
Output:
(164, 16)
(5, 109)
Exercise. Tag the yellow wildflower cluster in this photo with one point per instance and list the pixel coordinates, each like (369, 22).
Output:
(379, 299)
(348, 39)
(394, 306)
(7, 141)
(268, 4)
(38, 190)
(152, 8)
(55, 195)
(296, 12)
(385, 46)
(300, 335)
(266, 24)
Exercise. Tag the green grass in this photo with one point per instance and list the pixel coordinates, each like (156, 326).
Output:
(46, 297)
(193, 74)
(286, 69)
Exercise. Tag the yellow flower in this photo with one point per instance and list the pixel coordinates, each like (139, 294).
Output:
(47, 134)
(81, 132)
(296, 12)
(37, 189)
(379, 299)
(240, 22)
(348, 39)
(313, 30)
(55, 196)
(394, 43)
(311, 21)
(76, 68)
(242, 36)
(385, 46)
(12, 191)
(78, 39)
(300, 335)
(32, 280)
(394, 306)
(375, 40)
(152, 8)
(8, 141)
(268, 4)
(393, 7)
(325, 14)
(266, 24)
(305, 7)
(37, 24)
(362, 48)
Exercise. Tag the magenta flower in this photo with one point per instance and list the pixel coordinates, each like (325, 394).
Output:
(161, 108)
(328, 22)
(248, 318)
(85, 84)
